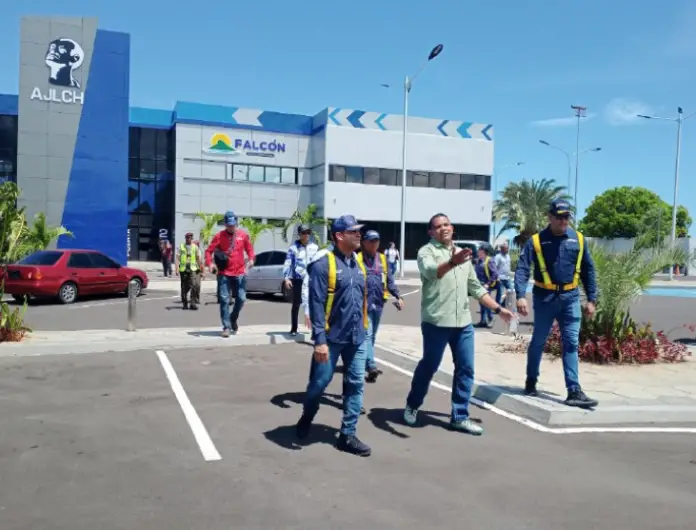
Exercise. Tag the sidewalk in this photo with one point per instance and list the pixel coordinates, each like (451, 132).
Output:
(660, 393)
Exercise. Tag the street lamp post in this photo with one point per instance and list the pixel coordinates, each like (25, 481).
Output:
(568, 157)
(408, 83)
(580, 112)
(679, 119)
(496, 191)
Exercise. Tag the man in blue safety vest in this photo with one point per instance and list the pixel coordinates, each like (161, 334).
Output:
(487, 275)
(561, 260)
(338, 314)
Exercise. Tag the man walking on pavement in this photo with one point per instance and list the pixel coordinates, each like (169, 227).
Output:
(380, 283)
(189, 267)
(393, 257)
(225, 257)
(448, 279)
(561, 260)
(487, 275)
(338, 314)
(299, 255)
(504, 267)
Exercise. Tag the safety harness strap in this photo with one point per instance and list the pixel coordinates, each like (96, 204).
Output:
(546, 282)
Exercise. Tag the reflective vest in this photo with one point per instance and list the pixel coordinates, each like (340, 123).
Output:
(383, 259)
(487, 271)
(187, 258)
(332, 290)
(547, 283)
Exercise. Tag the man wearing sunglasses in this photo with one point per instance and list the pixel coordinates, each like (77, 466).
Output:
(561, 261)
(299, 255)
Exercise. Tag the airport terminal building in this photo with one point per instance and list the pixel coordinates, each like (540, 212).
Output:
(120, 177)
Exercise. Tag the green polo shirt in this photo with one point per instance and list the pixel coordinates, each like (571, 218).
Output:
(445, 302)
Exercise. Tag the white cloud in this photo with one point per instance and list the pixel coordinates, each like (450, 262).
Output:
(560, 122)
(620, 111)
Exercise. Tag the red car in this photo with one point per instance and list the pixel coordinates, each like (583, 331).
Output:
(67, 274)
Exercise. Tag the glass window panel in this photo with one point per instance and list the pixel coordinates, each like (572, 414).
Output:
(134, 142)
(468, 182)
(148, 143)
(256, 173)
(371, 175)
(420, 179)
(146, 204)
(483, 182)
(147, 170)
(288, 175)
(240, 172)
(162, 144)
(354, 175)
(133, 168)
(337, 174)
(437, 180)
(133, 195)
(452, 181)
(387, 177)
(162, 168)
(409, 178)
(273, 175)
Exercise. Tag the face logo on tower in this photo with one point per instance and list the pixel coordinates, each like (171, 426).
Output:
(63, 57)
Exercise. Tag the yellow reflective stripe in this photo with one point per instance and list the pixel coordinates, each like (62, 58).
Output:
(488, 271)
(184, 258)
(384, 275)
(542, 263)
(362, 268)
(578, 265)
(331, 288)
(547, 283)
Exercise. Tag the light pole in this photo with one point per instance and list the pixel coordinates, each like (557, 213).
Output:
(408, 83)
(495, 191)
(580, 112)
(568, 156)
(566, 153)
(679, 119)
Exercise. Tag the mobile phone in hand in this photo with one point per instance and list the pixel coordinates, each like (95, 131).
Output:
(396, 304)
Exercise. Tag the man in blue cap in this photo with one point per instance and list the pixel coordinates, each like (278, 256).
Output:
(338, 315)
(561, 260)
(380, 284)
(225, 257)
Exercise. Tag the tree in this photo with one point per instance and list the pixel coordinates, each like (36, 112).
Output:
(524, 206)
(40, 235)
(307, 217)
(633, 212)
(255, 228)
(210, 223)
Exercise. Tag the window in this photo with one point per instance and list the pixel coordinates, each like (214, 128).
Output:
(387, 177)
(288, 175)
(371, 175)
(44, 257)
(273, 175)
(277, 258)
(79, 260)
(148, 170)
(420, 179)
(467, 182)
(337, 174)
(482, 182)
(256, 173)
(100, 261)
(452, 181)
(262, 259)
(240, 172)
(437, 180)
(354, 175)
(134, 142)
(148, 143)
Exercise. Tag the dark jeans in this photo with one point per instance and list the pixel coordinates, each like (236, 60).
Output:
(435, 340)
(373, 316)
(296, 303)
(167, 267)
(320, 376)
(567, 312)
(236, 287)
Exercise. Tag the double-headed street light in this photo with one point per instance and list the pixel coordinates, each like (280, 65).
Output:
(496, 170)
(679, 119)
(568, 158)
(408, 83)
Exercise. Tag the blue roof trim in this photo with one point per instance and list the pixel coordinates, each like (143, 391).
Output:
(9, 105)
(152, 118)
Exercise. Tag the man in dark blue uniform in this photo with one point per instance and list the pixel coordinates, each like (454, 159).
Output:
(561, 260)
(338, 313)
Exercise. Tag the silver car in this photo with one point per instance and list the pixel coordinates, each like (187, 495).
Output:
(266, 276)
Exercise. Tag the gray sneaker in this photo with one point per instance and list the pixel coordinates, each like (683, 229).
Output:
(410, 416)
(467, 426)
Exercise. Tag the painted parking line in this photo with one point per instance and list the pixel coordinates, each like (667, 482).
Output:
(200, 433)
(411, 292)
(117, 302)
(532, 424)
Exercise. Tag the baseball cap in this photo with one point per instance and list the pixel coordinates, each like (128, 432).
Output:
(371, 235)
(303, 228)
(345, 223)
(230, 218)
(560, 207)
(189, 234)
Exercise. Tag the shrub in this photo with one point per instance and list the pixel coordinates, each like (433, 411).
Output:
(12, 328)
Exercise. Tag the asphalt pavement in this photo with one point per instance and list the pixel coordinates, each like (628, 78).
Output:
(116, 441)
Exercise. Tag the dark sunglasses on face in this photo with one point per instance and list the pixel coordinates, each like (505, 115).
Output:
(563, 217)
(306, 233)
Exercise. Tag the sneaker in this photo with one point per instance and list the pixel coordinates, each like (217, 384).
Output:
(577, 398)
(194, 307)
(303, 426)
(225, 333)
(351, 444)
(410, 416)
(372, 375)
(235, 328)
(293, 333)
(530, 388)
(185, 305)
(467, 426)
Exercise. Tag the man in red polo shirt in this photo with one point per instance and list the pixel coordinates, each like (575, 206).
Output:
(225, 257)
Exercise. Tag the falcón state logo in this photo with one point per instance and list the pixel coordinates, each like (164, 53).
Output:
(221, 144)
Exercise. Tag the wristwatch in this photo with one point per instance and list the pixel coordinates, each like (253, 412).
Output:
(497, 310)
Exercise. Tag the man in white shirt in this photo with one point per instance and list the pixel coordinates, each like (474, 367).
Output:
(392, 255)
(300, 255)
(503, 266)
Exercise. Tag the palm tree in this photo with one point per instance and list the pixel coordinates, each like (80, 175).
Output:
(210, 223)
(307, 217)
(254, 228)
(40, 235)
(523, 206)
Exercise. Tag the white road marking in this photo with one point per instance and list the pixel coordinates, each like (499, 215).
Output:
(411, 292)
(537, 426)
(205, 443)
(118, 302)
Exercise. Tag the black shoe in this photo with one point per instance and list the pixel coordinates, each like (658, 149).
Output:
(303, 426)
(530, 388)
(351, 444)
(235, 327)
(194, 307)
(185, 305)
(577, 398)
(293, 333)
(372, 375)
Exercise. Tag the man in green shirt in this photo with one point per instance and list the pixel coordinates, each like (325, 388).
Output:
(448, 280)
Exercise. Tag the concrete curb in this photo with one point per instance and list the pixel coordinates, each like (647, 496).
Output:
(550, 411)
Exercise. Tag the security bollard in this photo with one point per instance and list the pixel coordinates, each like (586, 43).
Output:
(132, 292)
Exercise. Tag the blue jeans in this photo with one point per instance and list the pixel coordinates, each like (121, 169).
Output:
(567, 312)
(236, 286)
(320, 375)
(393, 266)
(502, 287)
(373, 317)
(461, 342)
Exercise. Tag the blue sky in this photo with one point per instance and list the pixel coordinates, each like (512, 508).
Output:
(518, 65)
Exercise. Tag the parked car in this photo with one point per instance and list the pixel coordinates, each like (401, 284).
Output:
(67, 274)
(473, 245)
(266, 276)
